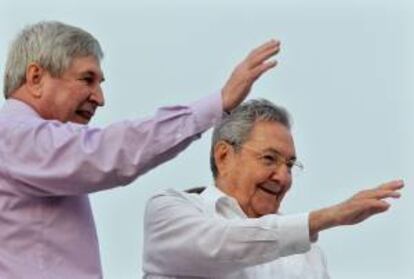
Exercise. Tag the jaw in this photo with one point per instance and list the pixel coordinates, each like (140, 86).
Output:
(80, 119)
(265, 202)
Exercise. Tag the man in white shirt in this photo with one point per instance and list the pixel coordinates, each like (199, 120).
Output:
(234, 229)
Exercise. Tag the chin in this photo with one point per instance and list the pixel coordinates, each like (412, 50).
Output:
(80, 120)
(266, 211)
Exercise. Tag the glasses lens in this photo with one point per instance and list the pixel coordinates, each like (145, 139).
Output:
(297, 169)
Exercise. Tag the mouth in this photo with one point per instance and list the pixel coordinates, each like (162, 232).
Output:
(272, 189)
(85, 114)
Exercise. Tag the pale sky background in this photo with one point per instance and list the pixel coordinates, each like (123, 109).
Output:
(345, 74)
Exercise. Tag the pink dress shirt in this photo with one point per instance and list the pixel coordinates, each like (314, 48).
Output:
(47, 169)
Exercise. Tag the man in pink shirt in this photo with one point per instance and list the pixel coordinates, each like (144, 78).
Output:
(50, 159)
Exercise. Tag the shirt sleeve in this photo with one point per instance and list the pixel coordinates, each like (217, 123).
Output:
(324, 268)
(180, 239)
(49, 158)
(317, 260)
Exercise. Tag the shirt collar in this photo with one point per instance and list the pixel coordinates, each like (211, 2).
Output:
(217, 199)
(212, 194)
(14, 106)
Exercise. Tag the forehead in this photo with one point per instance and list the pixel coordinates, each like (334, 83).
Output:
(272, 136)
(85, 65)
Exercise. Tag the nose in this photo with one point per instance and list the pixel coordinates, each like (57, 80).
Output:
(97, 96)
(282, 175)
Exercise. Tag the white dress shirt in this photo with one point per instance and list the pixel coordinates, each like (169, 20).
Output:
(209, 236)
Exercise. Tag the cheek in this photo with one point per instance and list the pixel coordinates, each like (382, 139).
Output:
(69, 103)
(76, 97)
(78, 92)
(243, 183)
(249, 180)
(67, 96)
(254, 197)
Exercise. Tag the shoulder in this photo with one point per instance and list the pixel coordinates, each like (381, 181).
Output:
(172, 196)
(44, 135)
(27, 124)
(172, 200)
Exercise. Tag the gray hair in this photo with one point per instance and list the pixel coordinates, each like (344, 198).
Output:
(235, 127)
(52, 45)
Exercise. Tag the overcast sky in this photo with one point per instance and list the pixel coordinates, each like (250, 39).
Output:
(345, 74)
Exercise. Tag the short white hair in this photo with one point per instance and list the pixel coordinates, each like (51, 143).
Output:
(235, 127)
(52, 45)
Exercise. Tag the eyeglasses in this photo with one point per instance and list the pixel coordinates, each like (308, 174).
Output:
(273, 160)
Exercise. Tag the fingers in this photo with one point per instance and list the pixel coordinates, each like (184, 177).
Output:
(362, 205)
(247, 72)
(258, 71)
(392, 185)
(375, 206)
(372, 208)
(256, 61)
(356, 211)
(261, 54)
(386, 190)
(379, 194)
(266, 46)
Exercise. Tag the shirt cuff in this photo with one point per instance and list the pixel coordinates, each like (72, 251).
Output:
(208, 111)
(294, 234)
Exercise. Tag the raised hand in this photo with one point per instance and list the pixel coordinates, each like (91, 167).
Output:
(247, 72)
(356, 209)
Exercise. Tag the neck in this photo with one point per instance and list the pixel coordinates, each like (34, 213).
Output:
(24, 96)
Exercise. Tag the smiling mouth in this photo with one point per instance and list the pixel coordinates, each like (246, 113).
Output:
(85, 114)
(271, 189)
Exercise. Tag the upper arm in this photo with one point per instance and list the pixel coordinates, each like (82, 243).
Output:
(183, 239)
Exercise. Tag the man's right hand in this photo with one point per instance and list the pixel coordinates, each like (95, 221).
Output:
(247, 72)
(354, 210)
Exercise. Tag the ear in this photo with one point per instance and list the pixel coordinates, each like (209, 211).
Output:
(223, 153)
(34, 76)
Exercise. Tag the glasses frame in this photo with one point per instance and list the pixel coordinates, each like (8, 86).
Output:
(275, 164)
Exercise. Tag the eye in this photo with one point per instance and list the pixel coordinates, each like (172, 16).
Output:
(290, 164)
(269, 159)
(88, 80)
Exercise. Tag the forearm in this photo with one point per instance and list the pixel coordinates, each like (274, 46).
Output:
(190, 243)
(358, 208)
(52, 158)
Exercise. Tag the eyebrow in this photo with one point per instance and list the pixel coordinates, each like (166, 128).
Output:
(272, 150)
(93, 74)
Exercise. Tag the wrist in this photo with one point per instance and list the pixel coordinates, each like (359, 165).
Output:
(320, 220)
(225, 102)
